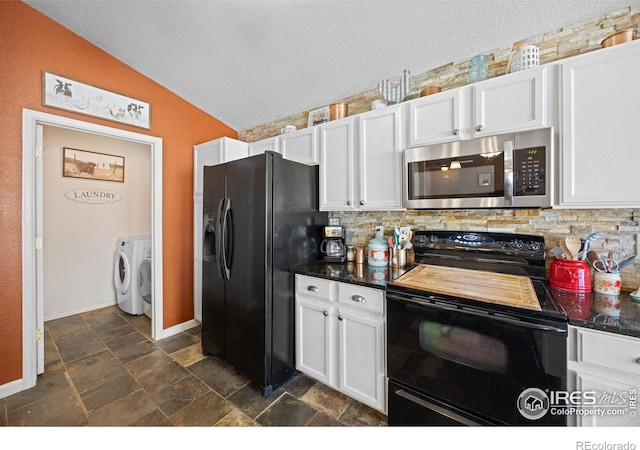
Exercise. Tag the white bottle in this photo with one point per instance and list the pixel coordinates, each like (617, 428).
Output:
(378, 254)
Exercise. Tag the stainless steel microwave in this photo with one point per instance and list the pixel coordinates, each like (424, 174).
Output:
(513, 170)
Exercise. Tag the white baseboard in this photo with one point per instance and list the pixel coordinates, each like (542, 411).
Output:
(184, 326)
(12, 387)
(79, 311)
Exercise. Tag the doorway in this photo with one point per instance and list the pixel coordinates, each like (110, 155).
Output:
(32, 293)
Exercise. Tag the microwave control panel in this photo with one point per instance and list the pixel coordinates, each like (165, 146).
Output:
(529, 171)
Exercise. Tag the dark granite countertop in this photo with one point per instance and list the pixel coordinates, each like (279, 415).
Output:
(362, 274)
(588, 310)
(614, 313)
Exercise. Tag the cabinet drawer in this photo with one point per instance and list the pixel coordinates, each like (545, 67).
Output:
(361, 298)
(313, 287)
(609, 351)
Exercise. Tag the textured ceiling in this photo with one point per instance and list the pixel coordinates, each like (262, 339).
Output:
(248, 62)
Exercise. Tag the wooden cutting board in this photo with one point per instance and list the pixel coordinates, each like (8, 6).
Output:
(489, 287)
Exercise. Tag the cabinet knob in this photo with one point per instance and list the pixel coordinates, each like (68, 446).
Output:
(362, 202)
(325, 313)
(312, 288)
(361, 299)
(456, 132)
(479, 128)
(349, 202)
(638, 360)
(340, 317)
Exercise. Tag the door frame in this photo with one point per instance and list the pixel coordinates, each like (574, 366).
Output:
(30, 333)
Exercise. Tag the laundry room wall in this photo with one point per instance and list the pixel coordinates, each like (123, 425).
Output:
(80, 237)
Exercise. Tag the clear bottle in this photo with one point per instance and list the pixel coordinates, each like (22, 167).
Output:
(351, 254)
(478, 68)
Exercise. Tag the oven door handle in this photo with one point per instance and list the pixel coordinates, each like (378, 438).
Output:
(438, 409)
(485, 314)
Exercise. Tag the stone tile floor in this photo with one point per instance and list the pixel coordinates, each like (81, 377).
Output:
(103, 369)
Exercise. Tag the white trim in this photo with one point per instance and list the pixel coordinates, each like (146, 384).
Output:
(13, 387)
(80, 311)
(184, 326)
(29, 121)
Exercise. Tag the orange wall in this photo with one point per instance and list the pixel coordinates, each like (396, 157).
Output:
(30, 43)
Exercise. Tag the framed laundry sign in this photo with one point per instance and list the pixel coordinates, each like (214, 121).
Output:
(65, 93)
(91, 165)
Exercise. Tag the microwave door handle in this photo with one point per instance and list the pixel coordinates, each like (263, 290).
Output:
(508, 174)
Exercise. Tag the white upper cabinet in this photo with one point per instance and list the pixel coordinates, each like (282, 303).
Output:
(271, 144)
(214, 152)
(600, 130)
(301, 146)
(337, 165)
(512, 102)
(380, 141)
(361, 162)
(436, 118)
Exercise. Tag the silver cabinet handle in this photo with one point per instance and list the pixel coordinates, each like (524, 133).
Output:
(325, 313)
(340, 317)
(638, 360)
(349, 202)
(361, 299)
(456, 132)
(362, 202)
(312, 288)
(479, 128)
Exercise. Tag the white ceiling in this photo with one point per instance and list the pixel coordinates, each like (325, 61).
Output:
(249, 62)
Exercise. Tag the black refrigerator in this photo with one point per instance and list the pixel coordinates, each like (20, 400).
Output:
(260, 219)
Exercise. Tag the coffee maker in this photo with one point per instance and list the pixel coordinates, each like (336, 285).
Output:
(333, 244)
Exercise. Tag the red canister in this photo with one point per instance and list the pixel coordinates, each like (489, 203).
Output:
(570, 274)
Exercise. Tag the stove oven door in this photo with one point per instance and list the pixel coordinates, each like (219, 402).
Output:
(471, 364)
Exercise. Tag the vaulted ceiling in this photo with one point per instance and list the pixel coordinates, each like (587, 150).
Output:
(248, 62)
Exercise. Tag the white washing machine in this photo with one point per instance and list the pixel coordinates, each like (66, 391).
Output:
(145, 271)
(133, 284)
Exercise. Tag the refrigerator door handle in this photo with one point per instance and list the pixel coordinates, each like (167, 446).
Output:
(226, 249)
(220, 238)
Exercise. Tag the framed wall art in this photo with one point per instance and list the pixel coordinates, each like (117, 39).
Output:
(318, 116)
(91, 165)
(64, 93)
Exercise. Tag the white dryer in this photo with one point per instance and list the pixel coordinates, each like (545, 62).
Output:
(145, 271)
(130, 255)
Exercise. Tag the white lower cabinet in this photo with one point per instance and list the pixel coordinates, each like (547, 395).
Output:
(605, 369)
(340, 338)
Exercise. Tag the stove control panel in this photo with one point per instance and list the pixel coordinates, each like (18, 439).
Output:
(499, 243)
